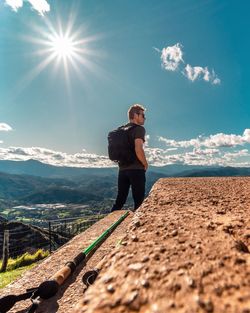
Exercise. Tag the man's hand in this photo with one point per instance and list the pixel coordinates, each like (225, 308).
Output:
(140, 152)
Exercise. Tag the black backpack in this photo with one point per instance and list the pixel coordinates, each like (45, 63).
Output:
(121, 147)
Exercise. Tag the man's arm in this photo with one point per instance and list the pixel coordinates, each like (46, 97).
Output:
(140, 152)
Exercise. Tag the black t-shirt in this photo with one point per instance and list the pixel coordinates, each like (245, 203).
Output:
(137, 132)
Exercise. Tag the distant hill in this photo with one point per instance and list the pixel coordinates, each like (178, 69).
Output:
(36, 168)
(27, 189)
(15, 186)
(62, 195)
(217, 172)
(30, 182)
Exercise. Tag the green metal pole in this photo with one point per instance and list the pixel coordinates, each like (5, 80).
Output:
(104, 234)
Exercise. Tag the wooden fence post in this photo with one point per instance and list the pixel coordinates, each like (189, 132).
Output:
(50, 238)
(5, 249)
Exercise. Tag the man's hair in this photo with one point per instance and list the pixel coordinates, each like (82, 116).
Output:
(135, 109)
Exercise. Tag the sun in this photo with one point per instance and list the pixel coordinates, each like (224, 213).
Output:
(63, 46)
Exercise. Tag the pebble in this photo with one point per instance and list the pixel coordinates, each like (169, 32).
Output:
(190, 282)
(171, 304)
(136, 266)
(145, 259)
(130, 297)
(206, 305)
(175, 287)
(107, 279)
(111, 288)
(239, 261)
(162, 249)
(174, 233)
(134, 238)
(181, 240)
(137, 223)
(221, 211)
(207, 271)
(145, 283)
(210, 226)
(228, 229)
(218, 291)
(156, 257)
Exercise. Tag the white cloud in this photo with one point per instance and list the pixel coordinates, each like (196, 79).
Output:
(180, 144)
(205, 157)
(171, 57)
(198, 151)
(57, 158)
(172, 60)
(216, 81)
(246, 135)
(198, 72)
(240, 153)
(213, 150)
(14, 4)
(41, 6)
(213, 141)
(206, 151)
(5, 127)
(155, 156)
(147, 138)
(223, 140)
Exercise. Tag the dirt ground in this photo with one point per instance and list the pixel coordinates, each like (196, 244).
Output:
(184, 250)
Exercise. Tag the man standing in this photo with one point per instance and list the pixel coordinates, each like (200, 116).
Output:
(133, 173)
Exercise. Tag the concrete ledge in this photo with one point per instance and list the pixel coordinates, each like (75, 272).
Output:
(186, 251)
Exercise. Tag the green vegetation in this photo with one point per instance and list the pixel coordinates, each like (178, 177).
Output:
(43, 212)
(17, 266)
(26, 259)
(9, 276)
(33, 198)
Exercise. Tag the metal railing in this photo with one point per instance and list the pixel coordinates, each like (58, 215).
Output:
(28, 238)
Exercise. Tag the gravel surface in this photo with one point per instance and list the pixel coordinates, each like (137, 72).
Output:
(186, 251)
(72, 291)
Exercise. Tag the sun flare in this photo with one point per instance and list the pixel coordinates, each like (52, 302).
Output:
(63, 46)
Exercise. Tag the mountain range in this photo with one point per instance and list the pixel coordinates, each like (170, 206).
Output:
(36, 168)
(29, 182)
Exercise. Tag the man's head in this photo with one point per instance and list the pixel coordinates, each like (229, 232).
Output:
(136, 114)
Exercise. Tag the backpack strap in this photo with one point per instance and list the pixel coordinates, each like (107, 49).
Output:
(131, 141)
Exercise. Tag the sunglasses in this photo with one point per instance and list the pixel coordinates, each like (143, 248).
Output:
(142, 114)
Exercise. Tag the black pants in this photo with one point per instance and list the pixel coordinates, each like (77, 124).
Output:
(134, 178)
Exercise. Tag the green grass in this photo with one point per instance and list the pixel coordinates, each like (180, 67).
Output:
(26, 259)
(19, 265)
(9, 276)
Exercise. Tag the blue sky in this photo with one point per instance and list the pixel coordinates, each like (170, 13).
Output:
(70, 70)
